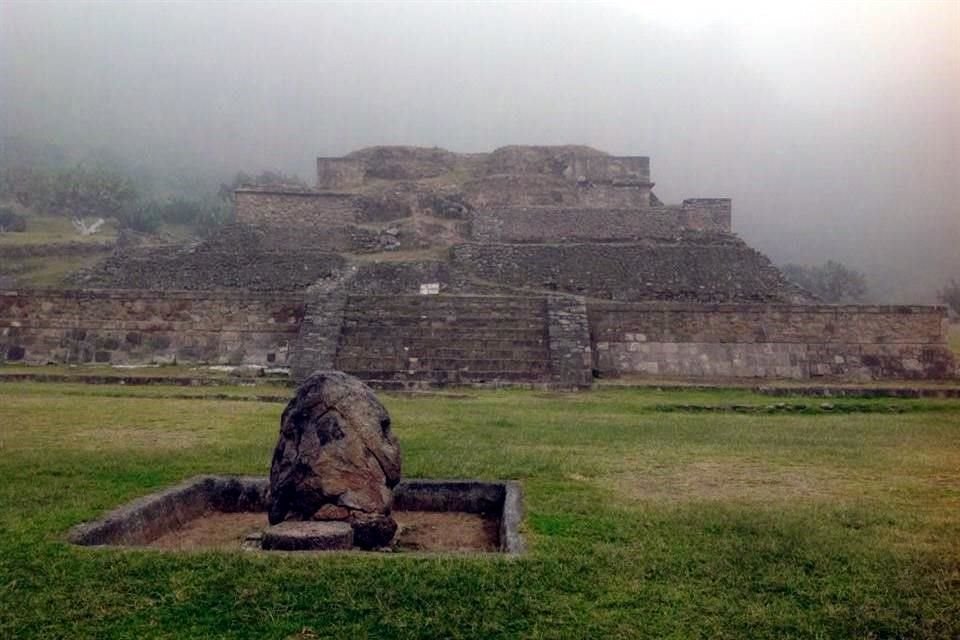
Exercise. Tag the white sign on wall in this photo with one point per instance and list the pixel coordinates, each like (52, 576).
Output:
(430, 289)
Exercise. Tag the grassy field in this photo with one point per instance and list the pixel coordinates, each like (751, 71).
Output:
(645, 518)
(56, 230)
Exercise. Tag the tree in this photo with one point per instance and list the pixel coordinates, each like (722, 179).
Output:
(27, 186)
(832, 281)
(145, 216)
(950, 295)
(81, 192)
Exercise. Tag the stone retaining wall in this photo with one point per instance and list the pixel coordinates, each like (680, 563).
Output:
(125, 326)
(770, 341)
(525, 340)
(720, 270)
(295, 208)
(561, 224)
(216, 263)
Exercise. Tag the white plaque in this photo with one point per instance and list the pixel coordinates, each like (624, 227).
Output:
(430, 289)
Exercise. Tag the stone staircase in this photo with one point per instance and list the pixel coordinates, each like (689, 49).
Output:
(319, 335)
(398, 342)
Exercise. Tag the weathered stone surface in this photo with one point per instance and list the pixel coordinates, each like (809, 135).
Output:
(237, 257)
(466, 339)
(307, 536)
(371, 530)
(770, 341)
(566, 224)
(139, 327)
(336, 448)
(331, 512)
(712, 269)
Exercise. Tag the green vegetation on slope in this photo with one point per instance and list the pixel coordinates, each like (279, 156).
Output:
(641, 523)
(43, 230)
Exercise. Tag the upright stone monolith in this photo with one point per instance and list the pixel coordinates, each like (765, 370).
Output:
(336, 459)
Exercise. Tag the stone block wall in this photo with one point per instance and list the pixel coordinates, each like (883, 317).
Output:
(707, 214)
(119, 327)
(770, 341)
(295, 208)
(447, 339)
(339, 173)
(615, 169)
(523, 190)
(606, 195)
(568, 331)
(573, 163)
(563, 224)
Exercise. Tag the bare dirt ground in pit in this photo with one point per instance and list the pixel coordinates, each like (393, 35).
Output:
(446, 531)
(212, 531)
(418, 531)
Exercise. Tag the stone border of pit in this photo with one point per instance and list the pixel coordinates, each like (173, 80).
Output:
(145, 519)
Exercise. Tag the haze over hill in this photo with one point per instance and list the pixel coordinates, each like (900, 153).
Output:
(835, 131)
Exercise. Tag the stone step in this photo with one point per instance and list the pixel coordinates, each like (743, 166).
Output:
(446, 330)
(442, 364)
(426, 385)
(386, 352)
(448, 377)
(433, 351)
(434, 334)
(487, 319)
(427, 361)
(508, 322)
(411, 302)
(396, 351)
(411, 320)
(450, 339)
(440, 302)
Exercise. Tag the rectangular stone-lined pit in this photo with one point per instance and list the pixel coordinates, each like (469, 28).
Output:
(155, 520)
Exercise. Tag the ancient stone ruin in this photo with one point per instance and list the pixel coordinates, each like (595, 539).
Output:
(336, 459)
(408, 266)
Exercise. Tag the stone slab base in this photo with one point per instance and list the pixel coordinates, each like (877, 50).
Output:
(307, 536)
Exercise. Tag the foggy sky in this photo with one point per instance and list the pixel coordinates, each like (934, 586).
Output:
(835, 129)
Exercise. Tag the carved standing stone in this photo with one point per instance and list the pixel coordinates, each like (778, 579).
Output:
(336, 459)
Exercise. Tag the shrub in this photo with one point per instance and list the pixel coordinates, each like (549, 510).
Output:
(214, 216)
(832, 281)
(950, 295)
(144, 216)
(181, 211)
(10, 221)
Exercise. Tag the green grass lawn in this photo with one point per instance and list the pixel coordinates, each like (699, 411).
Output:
(644, 519)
